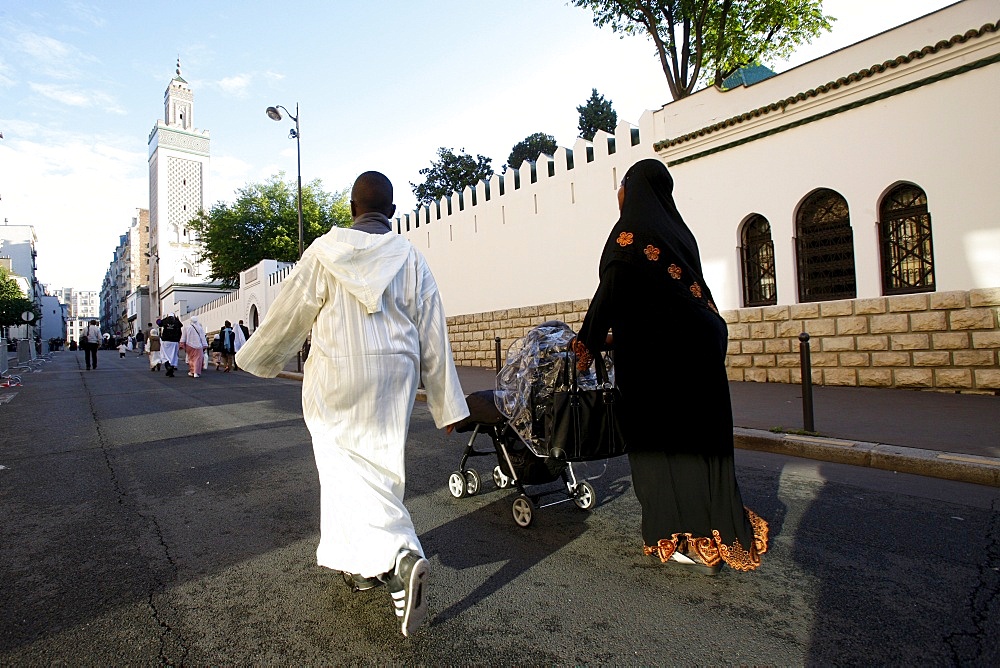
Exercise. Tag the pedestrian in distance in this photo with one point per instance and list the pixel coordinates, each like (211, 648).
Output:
(238, 341)
(122, 349)
(378, 329)
(195, 344)
(227, 347)
(669, 345)
(90, 339)
(153, 344)
(215, 348)
(170, 337)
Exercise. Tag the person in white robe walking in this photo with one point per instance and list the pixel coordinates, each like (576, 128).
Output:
(378, 330)
(238, 341)
(195, 344)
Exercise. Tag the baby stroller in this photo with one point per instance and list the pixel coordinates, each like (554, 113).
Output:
(514, 417)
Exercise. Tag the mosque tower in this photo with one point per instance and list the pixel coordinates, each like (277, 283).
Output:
(178, 166)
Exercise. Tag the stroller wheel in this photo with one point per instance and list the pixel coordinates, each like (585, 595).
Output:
(501, 480)
(472, 482)
(523, 509)
(456, 484)
(585, 496)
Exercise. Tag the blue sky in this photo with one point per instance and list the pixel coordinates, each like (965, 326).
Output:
(380, 84)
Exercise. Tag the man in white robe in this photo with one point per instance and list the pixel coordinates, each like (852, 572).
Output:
(378, 329)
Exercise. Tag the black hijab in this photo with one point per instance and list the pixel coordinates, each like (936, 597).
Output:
(651, 235)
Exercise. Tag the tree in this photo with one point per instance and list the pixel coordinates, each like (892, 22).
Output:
(529, 148)
(450, 173)
(596, 114)
(13, 303)
(263, 223)
(704, 41)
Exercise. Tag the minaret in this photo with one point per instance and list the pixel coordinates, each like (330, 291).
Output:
(178, 165)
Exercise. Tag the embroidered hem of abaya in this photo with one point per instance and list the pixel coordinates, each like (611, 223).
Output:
(706, 520)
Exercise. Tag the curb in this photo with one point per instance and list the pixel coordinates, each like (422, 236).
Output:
(931, 463)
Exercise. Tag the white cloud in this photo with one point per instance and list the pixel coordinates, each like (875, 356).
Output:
(74, 96)
(236, 85)
(51, 57)
(63, 94)
(80, 196)
(5, 70)
(88, 13)
(226, 174)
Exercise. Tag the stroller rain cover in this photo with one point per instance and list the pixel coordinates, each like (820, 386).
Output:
(537, 367)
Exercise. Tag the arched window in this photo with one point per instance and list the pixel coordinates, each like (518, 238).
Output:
(905, 240)
(825, 245)
(757, 251)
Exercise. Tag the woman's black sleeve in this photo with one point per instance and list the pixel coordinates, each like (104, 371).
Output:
(600, 315)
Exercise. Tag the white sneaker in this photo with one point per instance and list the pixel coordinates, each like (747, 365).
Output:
(681, 559)
(406, 585)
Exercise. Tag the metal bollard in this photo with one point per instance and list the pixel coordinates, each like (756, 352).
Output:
(807, 385)
(499, 364)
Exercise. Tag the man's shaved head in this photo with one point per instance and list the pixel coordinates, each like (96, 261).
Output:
(372, 191)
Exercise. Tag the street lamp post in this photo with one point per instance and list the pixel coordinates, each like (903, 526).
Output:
(275, 115)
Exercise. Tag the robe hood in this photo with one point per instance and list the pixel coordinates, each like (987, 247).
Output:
(363, 263)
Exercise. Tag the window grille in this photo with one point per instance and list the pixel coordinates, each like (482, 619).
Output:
(825, 248)
(760, 286)
(905, 240)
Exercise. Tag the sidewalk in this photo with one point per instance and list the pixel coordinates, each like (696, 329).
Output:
(951, 436)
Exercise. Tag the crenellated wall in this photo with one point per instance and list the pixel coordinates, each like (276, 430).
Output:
(532, 235)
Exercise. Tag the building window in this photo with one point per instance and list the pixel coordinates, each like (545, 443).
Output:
(905, 241)
(825, 248)
(757, 252)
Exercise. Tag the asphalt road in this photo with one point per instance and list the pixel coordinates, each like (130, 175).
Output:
(149, 520)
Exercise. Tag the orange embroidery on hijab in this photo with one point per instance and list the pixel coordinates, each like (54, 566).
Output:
(712, 307)
(674, 271)
(624, 239)
(652, 253)
(696, 289)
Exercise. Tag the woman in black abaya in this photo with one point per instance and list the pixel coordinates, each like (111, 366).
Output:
(669, 344)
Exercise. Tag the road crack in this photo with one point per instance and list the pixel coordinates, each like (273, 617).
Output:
(173, 645)
(971, 646)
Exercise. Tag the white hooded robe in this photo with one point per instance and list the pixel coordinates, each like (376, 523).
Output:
(378, 329)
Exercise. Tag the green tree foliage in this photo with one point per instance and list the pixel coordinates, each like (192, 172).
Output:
(9, 289)
(450, 173)
(596, 114)
(263, 224)
(13, 302)
(529, 148)
(704, 41)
